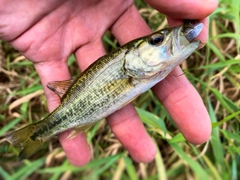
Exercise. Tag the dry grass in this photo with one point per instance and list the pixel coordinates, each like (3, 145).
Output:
(213, 70)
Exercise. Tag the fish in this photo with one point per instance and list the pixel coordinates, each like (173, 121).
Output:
(108, 84)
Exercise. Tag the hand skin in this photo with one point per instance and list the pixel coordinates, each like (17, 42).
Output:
(47, 32)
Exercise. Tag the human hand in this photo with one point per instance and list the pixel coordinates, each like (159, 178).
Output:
(47, 32)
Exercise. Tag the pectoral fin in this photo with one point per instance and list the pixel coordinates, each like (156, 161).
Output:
(60, 87)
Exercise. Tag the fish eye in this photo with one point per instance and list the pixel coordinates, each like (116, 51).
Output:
(156, 39)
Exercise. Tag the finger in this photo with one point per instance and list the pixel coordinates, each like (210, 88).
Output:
(58, 71)
(26, 18)
(126, 124)
(185, 106)
(128, 128)
(76, 148)
(185, 9)
(130, 26)
(89, 53)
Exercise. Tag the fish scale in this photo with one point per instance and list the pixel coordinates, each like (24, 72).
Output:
(92, 98)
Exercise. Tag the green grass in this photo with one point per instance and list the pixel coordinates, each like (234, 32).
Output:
(214, 71)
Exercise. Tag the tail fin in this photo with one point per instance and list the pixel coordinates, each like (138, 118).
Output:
(22, 140)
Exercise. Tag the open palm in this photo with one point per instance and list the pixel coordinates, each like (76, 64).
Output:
(47, 32)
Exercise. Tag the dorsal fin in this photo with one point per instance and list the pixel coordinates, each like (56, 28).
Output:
(60, 87)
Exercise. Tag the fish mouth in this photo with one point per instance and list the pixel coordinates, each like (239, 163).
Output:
(191, 30)
(183, 36)
(182, 41)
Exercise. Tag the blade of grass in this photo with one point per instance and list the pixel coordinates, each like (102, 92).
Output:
(216, 51)
(130, 168)
(234, 169)
(93, 132)
(96, 163)
(161, 170)
(28, 169)
(211, 166)
(227, 103)
(10, 125)
(4, 174)
(117, 175)
(108, 41)
(233, 150)
(225, 35)
(29, 90)
(56, 175)
(71, 59)
(215, 139)
(177, 138)
(235, 7)
(230, 135)
(228, 118)
(194, 165)
(221, 64)
(106, 165)
(151, 119)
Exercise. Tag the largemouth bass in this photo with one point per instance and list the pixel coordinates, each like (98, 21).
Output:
(110, 83)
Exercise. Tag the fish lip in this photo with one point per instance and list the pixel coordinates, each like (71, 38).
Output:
(191, 31)
(182, 41)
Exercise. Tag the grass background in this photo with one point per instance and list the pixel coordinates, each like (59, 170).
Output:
(214, 71)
